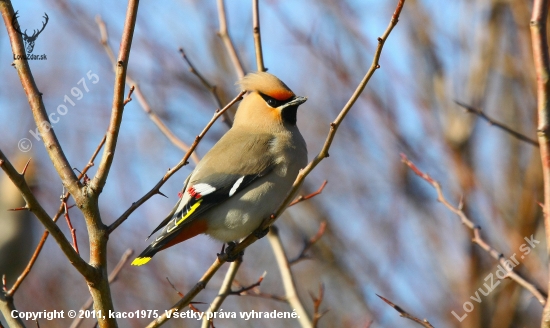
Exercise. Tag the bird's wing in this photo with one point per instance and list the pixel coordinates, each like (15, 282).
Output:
(211, 184)
(173, 211)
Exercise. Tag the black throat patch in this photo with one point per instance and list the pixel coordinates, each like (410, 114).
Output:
(289, 114)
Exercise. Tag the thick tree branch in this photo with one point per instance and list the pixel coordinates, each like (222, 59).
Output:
(34, 206)
(112, 277)
(6, 307)
(46, 233)
(34, 96)
(200, 285)
(156, 188)
(541, 60)
(100, 178)
(541, 297)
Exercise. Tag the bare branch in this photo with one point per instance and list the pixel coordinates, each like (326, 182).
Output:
(224, 35)
(46, 233)
(51, 143)
(541, 57)
(212, 88)
(73, 231)
(112, 278)
(257, 36)
(242, 290)
(34, 206)
(156, 188)
(404, 314)
(254, 290)
(541, 297)
(200, 285)
(309, 243)
(6, 307)
(118, 99)
(174, 287)
(317, 304)
(140, 97)
(306, 197)
(505, 128)
(225, 290)
(288, 280)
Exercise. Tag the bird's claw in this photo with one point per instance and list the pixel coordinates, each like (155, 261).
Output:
(230, 247)
(261, 234)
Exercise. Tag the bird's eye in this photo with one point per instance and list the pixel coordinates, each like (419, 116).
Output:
(272, 102)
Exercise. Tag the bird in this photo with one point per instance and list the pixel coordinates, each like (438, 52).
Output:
(245, 176)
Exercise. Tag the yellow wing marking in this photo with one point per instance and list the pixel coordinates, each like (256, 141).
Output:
(191, 211)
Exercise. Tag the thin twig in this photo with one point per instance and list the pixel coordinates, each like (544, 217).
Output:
(541, 297)
(156, 188)
(245, 289)
(505, 128)
(129, 97)
(257, 36)
(541, 57)
(309, 243)
(201, 284)
(404, 314)
(139, 95)
(224, 35)
(317, 304)
(73, 231)
(254, 290)
(306, 197)
(112, 278)
(211, 88)
(174, 287)
(46, 233)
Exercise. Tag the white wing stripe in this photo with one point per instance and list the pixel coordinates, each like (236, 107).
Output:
(236, 186)
(204, 189)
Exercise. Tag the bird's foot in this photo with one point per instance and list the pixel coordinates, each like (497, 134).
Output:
(229, 249)
(261, 234)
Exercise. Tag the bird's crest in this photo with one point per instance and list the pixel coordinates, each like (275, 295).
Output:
(267, 84)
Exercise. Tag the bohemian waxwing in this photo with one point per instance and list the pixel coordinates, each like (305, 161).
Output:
(246, 175)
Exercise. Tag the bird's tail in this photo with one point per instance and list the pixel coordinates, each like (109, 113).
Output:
(145, 256)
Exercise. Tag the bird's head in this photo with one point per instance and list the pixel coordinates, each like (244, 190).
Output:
(269, 102)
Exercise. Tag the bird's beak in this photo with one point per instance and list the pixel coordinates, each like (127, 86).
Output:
(296, 101)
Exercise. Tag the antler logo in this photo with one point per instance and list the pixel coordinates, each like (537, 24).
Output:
(29, 40)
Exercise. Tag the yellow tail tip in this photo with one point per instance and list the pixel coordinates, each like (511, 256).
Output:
(141, 261)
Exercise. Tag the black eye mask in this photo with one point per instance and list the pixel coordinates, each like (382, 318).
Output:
(272, 102)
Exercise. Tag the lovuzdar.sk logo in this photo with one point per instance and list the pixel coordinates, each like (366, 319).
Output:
(29, 39)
